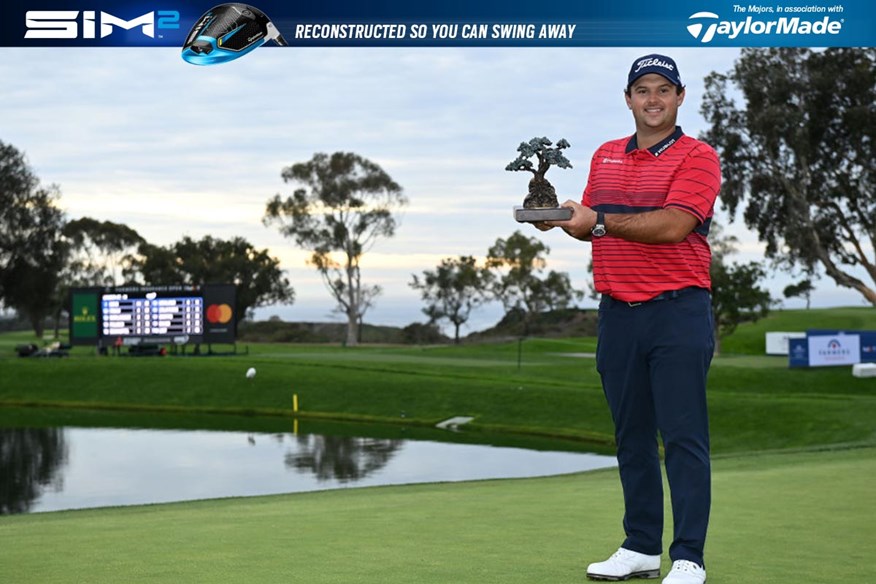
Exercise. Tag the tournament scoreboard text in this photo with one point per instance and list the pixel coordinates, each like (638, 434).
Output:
(122, 314)
(133, 315)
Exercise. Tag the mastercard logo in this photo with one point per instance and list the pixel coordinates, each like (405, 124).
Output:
(219, 313)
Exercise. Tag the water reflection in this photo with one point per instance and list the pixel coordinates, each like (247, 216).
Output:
(31, 460)
(73, 468)
(342, 458)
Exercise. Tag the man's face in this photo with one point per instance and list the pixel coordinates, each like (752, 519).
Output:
(654, 103)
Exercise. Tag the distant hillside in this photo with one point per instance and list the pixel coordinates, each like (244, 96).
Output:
(278, 331)
(560, 323)
(748, 338)
(570, 322)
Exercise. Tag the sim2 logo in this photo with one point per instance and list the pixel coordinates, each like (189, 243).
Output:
(84, 24)
(704, 26)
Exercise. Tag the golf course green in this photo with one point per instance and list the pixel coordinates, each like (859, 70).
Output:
(794, 465)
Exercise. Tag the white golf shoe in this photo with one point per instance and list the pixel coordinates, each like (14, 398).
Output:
(625, 564)
(685, 572)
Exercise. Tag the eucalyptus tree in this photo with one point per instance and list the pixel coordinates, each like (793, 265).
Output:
(255, 273)
(452, 290)
(342, 206)
(518, 264)
(33, 251)
(797, 156)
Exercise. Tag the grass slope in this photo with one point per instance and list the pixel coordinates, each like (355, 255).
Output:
(749, 338)
(756, 402)
(789, 519)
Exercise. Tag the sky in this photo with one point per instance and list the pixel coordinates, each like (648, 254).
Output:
(138, 136)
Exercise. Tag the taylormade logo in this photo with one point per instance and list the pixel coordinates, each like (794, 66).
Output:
(705, 25)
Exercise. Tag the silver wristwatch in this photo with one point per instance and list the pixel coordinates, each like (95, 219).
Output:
(598, 230)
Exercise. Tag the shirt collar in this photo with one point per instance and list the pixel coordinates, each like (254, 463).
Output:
(658, 148)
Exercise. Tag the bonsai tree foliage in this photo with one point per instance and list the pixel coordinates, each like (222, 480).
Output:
(541, 192)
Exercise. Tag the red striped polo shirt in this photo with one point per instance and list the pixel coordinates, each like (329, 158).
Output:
(679, 172)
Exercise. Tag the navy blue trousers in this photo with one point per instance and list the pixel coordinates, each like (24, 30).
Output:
(654, 359)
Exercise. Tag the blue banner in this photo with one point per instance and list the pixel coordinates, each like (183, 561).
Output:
(570, 23)
(798, 353)
(867, 341)
(809, 352)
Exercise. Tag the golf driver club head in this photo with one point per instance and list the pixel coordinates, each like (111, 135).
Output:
(229, 31)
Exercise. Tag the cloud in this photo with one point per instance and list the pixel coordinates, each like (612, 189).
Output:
(140, 137)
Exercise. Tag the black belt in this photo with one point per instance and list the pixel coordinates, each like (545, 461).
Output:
(669, 295)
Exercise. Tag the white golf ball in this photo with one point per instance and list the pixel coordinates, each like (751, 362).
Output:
(250, 373)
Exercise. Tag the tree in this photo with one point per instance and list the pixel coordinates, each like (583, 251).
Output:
(154, 264)
(257, 275)
(344, 205)
(452, 290)
(31, 283)
(541, 191)
(518, 263)
(736, 295)
(19, 188)
(557, 291)
(418, 333)
(101, 250)
(799, 155)
(32, 251)
(802, 288)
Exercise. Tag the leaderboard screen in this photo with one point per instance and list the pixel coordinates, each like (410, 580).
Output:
(151, 313)
(131, 315)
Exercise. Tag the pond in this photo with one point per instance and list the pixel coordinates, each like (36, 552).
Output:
(49, 469)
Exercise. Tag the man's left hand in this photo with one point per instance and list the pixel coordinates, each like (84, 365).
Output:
(582, 221)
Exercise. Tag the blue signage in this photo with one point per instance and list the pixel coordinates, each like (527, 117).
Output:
(867, 340)
(798, 353)
(823, 347)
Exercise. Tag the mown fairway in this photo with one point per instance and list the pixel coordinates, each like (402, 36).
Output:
(777, 519)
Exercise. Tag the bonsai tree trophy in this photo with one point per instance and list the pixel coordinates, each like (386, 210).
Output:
(541, 203)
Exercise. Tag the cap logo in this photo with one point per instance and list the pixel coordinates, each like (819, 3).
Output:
(653, 63)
